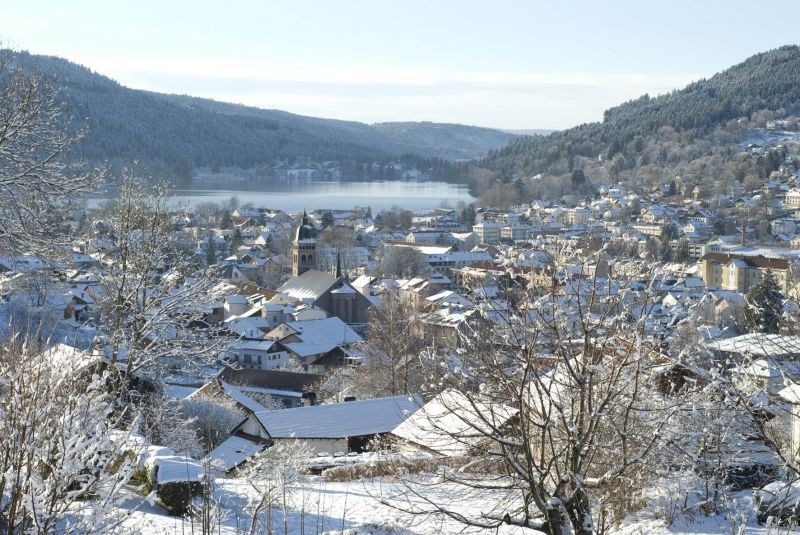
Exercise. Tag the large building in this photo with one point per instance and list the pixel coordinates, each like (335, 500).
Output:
(304, 248)
(333, 293)
(740, 272)
(487, 231)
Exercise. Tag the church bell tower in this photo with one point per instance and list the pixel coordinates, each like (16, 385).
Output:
(304, 248)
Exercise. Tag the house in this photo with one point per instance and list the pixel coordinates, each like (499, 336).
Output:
(235, 305)
(259, 354)
(333, 428)
(487, 231)
(792, 198)
(730, 271)
(315, 346)
(514, 233)
(253, 390)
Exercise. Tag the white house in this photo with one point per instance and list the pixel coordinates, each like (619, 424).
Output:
(332, 428)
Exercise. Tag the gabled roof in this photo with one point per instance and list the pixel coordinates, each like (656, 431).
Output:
(319, 336)
(339, 420)
(452, 424)
(311, 284)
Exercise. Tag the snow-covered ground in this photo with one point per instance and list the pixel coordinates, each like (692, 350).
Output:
(317, 507)
(355, 508)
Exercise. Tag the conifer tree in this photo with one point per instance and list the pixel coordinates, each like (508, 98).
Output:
(764, 305)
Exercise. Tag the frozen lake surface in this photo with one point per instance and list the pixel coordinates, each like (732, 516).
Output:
(296, 196)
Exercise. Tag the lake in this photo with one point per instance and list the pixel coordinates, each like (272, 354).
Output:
(295, 197)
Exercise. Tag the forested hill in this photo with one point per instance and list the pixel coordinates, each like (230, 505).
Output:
(180, 132)
(632, 135)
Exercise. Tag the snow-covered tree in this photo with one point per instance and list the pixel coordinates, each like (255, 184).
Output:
(155, 298)
(213, 419)
(36, 181)
(392, 347)
(62, 465)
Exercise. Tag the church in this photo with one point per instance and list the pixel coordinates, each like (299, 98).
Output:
(332, 292)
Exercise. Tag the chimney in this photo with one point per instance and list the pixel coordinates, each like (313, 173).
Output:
(309, 399)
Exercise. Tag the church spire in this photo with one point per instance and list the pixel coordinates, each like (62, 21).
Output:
(338, 265)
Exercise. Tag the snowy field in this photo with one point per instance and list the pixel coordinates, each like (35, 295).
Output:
(320, 507)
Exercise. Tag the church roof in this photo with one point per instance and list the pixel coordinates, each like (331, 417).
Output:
(311, 284)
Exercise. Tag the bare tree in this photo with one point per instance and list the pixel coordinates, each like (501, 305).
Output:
(392, 347)
(586, 420)
(36, 182)
(402, 262)
(155, 298)
(274, 475)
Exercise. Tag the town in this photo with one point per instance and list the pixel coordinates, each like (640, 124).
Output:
(399, 268)
(249, 329)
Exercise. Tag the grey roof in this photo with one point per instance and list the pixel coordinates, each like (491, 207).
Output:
(340, 420)
(311, 284)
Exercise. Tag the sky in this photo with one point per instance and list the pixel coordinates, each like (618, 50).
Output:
(502, 63)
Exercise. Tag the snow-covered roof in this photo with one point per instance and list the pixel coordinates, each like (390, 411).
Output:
(233, 452)
(248, 327)
(340, 420)
(758, 344)
(791, 394)
(241, 398)
(320, 335)
(253, 345)
(452, 424)
(311, 284)
(344, 289)
(67, 357)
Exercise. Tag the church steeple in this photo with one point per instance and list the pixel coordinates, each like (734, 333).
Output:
(338, 265)
(304, 248)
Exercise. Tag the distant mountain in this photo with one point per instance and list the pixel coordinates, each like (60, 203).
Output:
(679, 131)
(450, 141)
(183, 132)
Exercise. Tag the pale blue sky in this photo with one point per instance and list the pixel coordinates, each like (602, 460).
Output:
(508, 64)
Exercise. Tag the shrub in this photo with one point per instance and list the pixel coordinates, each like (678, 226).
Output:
(119, 460)
(400, 466)
(176, 497)
(140, 478)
